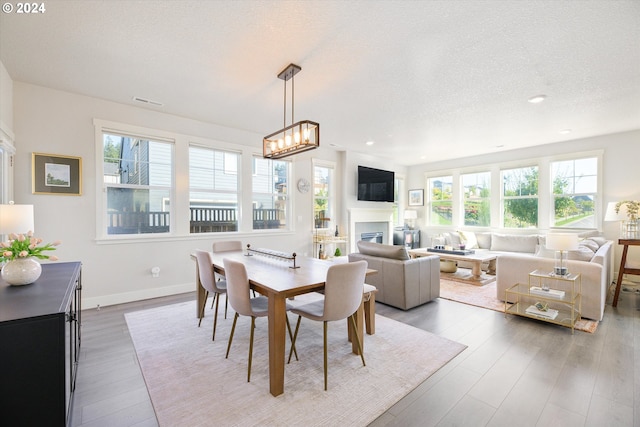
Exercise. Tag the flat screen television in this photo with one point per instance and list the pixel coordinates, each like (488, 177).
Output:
(375, 185)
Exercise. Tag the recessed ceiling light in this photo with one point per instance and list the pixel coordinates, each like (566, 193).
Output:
(500, 146)
(565, 131)
(370, 143)
(537, 99)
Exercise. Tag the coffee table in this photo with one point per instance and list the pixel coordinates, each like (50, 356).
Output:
(476, 277)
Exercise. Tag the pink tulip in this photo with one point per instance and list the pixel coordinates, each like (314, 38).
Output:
(57, 243)
(7, 254)
(23, 254)
(5, 244)
(53, 258)
(21, 238)
(32, 246)
(12, 236)
(30, 233)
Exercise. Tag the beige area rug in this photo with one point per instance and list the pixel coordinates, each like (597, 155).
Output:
(192, 384)
(485, 297)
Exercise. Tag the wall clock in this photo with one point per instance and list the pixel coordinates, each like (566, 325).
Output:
(303, 185)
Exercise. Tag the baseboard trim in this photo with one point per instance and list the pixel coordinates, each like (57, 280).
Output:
(107, 300)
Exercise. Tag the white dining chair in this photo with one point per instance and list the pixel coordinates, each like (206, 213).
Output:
(238, 293)
(210, 285)
(224, 246)
(343, 292)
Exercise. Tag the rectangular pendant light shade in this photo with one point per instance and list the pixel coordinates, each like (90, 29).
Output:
(297, 138)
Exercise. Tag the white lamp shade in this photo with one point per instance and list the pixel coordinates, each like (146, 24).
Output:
(562, 241)
(611, 214)
(410, 214)
(16, 219)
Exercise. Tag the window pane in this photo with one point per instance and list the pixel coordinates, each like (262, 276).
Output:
(321, 195)
(520, 197)
(270, 194)
(441, 192)
(213, 195)
(138, 175)
(137, 211)
(477, 199)
(575, 189)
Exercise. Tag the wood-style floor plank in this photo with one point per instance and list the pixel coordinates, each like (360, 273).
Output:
(513, 369)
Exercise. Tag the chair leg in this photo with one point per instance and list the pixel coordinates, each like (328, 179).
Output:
(253, 327)
(226, 305)
(216, 297)
(293, 346)
(233, 328)
(355, 333)
(325, 355)
(204, 302)
(293, 340)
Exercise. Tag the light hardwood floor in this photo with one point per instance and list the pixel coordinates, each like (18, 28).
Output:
(515, 371)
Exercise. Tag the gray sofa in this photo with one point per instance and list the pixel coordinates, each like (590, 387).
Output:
(402, 282)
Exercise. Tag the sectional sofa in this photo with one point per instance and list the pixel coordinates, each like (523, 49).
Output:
(518, 255)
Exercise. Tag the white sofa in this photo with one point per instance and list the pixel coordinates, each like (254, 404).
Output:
(518, 255)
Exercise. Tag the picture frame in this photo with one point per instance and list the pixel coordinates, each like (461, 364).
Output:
(416, 197)
(56, 174)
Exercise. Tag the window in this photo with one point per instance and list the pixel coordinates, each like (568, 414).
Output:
(476, 189)
(213, 190)
(270, 194)
(323, 193)
(520, 197)
(138, 177)
(440, 200)
(575, 187)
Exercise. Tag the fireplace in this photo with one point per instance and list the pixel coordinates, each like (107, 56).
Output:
(375, 236)
(370, 221)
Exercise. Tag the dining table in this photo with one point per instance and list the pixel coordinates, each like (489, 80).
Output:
(279, 281)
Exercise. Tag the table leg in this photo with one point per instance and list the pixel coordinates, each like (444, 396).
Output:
(359, 329)
(476, 270)
(623, 263)
(277, 325)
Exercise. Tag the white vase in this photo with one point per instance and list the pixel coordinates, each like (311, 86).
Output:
(21, 271)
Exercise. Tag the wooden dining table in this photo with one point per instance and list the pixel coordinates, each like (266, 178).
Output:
(276, 280)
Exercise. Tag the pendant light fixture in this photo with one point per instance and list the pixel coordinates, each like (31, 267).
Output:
(295, 138)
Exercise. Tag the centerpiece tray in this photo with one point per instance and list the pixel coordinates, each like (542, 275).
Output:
(453, 251)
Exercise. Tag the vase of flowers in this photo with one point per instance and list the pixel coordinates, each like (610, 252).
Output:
(19, 255)
(631, 226)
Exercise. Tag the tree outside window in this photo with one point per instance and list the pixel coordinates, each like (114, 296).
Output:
(575, 189)
(440, 200)
(520, 197)
(477, 199)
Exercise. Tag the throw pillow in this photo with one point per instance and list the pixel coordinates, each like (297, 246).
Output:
(469, 239)
(543, 252)
(484, 240)
(583, 253)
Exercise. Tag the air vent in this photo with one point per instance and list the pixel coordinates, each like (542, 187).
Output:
(147, 101)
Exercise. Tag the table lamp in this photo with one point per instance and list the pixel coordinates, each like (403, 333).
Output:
(16, 219)
(561, 242)
(410, 216)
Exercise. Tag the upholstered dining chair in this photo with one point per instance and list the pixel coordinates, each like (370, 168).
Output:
(241, 301)
(343, 292)
(225, 246)
(210, 285)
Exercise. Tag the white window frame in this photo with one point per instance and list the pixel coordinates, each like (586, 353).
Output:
(332, 188)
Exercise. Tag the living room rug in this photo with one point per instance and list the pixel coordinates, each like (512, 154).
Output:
(485, 297)
(192, 384)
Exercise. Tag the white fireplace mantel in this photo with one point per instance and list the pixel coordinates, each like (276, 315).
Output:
(368, 215)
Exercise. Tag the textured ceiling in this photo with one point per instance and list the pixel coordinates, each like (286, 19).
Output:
(426, 81)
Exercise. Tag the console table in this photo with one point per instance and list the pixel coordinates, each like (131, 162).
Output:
(623, 266)
(40, 343)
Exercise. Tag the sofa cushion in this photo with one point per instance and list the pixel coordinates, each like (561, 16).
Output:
(484, 240)
(383, 251)
(469, 239)
(584, 252)
(514, 243)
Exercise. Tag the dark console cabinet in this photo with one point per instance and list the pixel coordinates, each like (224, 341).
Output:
(39, 346)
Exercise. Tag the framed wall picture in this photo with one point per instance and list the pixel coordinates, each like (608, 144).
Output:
(416, 197)
(54, 174)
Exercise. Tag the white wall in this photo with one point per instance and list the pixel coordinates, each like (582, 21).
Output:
(51, 121)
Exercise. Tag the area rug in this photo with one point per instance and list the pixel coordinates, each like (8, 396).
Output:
(192, 384)
(485, 297)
